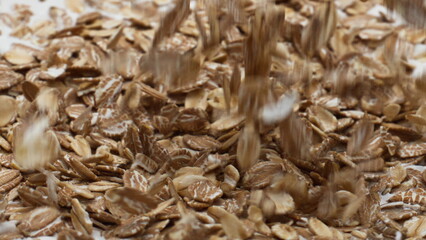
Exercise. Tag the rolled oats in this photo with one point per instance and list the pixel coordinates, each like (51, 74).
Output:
(19, 55)
(9, 79)
(231, 178)
(8, 110)
(9, 179)
(204, 191)
(232, 226)
(319, 228)
(177, 125)
(80, 218)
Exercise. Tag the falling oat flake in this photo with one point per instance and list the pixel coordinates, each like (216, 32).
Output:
(222, 119)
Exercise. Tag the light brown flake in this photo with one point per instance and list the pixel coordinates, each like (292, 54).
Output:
(204, 191)
(9, 179)
(416, 119)
(81, 169)
(397, 174)
(131, 200)
(278, 203)
(201, 143)
(163, 125)
(192, 120)
(80, 146)
(102, 186)
(391, 111)
(374, 34)
(197, 99)
(134, 179)
(37, 219)
(152, 92)
(80, 190)
(6, 159)
(404, 133)
(8, 108)
(132, 141)
(317, 227)
(226, 122)
(416, 227)
(75, 110)
(9, 79)
(114, 125)
(231, 178)
(411, 150)
(33, 197)
(19, 55)
(83, 122)
(146, 163)
(108, 90)
(344, 123)
(141, 95)
(284, 231)
(186, 176)
(397, 214)
(80, 218)
(412, 196)
(323, 118)
(233, 227)
(4, 144)
(132, 226)
(261, 174)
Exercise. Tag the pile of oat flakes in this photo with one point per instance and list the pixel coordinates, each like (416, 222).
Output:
(214, 119)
